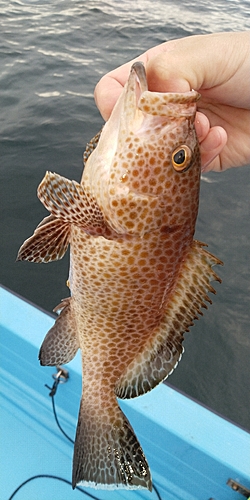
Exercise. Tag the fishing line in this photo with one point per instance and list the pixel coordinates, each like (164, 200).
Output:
(60, 377)
(49, 476)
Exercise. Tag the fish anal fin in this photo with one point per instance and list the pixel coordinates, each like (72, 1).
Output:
(107, 454)
(61, 342)
(163, 350)
(70, 202)
(49, 241)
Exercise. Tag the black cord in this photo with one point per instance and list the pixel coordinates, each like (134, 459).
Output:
(157, 492)
(52, 393)
(49, 476)
(58, 423)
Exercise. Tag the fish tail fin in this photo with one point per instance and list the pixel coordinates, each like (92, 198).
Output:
(107, 453)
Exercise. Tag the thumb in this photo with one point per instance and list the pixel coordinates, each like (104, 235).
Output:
(214, 65)
(183, 65)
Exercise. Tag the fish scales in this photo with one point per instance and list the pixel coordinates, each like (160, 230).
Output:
(137, 277)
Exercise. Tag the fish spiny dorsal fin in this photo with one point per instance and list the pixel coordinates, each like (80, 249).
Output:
(61, 342)
(164, 347)
(91, 146)
(68, 201)
(49, 241)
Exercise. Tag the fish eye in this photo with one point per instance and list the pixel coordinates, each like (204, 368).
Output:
(181, 157)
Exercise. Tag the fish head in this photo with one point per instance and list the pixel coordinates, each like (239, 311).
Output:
(145, 171)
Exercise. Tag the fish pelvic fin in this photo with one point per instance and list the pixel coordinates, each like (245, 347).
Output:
(61, 342)
(107, 454)
(164, 348)
(91, 146)
(49, 241)
(68, 201)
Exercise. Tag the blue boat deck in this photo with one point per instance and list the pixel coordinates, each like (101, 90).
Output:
(191, 451)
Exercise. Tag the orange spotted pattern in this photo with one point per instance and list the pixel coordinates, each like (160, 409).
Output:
(137, 277)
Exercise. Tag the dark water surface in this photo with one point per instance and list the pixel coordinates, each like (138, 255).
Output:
(52, 55)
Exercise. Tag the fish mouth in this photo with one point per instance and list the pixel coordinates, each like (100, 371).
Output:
(168, 104)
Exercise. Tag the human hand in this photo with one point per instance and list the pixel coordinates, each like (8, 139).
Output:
(218, 67)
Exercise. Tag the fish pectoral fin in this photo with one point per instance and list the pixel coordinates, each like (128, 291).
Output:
(49, 241)
(164, 348)
(107, 454)
(68, 201)
(61, 342)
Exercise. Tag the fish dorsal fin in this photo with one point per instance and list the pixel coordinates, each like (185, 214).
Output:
(91, 146)
(68, 201)
(61, 342)
(164, 348)
(49, 241)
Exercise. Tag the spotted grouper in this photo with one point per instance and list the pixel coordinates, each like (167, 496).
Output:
(137, 278)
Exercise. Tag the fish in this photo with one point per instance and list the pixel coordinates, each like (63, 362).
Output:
(138, 278)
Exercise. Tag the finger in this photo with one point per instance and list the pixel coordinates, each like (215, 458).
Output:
(211, 147)
(196, 63)
(202, 125)
(106, 94)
